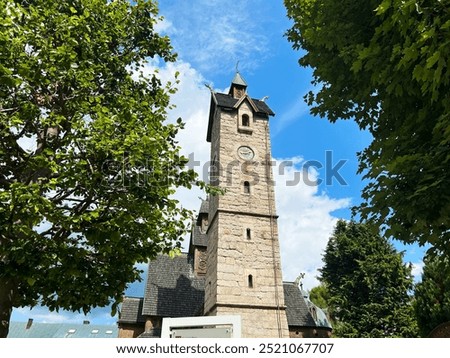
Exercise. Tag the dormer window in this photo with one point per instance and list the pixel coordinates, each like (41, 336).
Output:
(245, 120)
(245, 123)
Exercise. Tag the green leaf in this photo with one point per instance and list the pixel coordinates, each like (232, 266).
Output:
(431, 61)
(84, 206)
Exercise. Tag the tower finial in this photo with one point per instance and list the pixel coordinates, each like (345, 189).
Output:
(237, 66)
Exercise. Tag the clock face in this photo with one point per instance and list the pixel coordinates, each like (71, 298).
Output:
(246, 153)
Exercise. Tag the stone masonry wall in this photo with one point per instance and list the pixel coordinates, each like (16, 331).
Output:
(234, 170)
(244, 271)
(258, 322)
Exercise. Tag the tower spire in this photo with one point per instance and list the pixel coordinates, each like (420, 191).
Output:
(238, 86)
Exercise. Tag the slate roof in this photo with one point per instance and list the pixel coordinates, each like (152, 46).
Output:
(228, 101)
(238, 80)
(61, 330)
(131, 310)
(199, 238)
(204, 208)
(172, 289)
(297, 309)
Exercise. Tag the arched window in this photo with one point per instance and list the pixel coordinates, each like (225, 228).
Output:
(245, 120)
(250, 281)
(246, 187)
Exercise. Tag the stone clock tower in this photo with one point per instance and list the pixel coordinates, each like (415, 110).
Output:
(243, 274)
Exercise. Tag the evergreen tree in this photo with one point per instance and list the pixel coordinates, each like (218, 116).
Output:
(432, 294)
(368, 284)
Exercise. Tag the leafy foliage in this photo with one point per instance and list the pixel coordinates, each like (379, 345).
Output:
(432, 295)
(385, 64)
(320, 296)
(367, 283)
(88, 161)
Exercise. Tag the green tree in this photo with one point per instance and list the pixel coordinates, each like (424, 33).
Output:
(368, 284)
(320, 296)
(385, 64)
(93, 195)
(432, 294)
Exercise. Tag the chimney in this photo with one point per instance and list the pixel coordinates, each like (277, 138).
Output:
(29, 323)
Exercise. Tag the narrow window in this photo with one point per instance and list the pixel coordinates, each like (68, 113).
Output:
(249, 234)
(250, 281)
(245, 120)
(246, 187)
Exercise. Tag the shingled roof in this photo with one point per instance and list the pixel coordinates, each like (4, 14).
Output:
(199, 238)
(131, 310)
(227, 101)
(173, 290)
(297, 309)
(204, 208)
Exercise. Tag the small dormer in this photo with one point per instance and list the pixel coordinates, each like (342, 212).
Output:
(237, 100)
(238, 87)
(202, 218)
(199, 239)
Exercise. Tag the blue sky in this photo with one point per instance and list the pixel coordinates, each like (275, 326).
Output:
(210, 37)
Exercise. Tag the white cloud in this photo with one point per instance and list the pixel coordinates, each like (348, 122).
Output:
(417, 270)
(225, 31)
(305, 221)
(42, 314)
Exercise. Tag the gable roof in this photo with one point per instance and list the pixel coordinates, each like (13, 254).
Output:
(172, 289)
(249, 100)
(204, 208)
(227, 101)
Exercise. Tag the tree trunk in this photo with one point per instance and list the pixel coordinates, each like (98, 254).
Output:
(7, 292)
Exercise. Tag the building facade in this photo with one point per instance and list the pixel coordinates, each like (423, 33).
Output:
(233, 265)
(243, 273)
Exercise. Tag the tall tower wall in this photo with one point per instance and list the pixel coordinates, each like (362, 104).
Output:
(243, 271)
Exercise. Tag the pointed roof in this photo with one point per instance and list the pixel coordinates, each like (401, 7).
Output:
(238, 80)
(227, 101)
